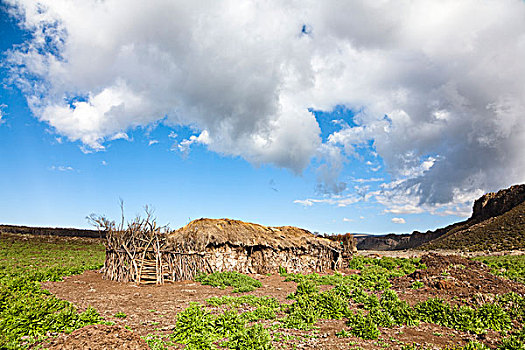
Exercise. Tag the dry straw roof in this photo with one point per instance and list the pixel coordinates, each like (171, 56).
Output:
(199, 234)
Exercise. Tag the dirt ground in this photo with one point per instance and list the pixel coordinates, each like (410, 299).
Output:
(98, 337)
(153, 309)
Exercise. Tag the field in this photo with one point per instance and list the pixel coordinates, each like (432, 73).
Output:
(376, 303)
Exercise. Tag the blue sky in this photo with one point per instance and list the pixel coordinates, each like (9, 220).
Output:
(331, 129)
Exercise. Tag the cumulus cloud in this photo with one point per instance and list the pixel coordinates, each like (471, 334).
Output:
(398, 221)
(438, 87)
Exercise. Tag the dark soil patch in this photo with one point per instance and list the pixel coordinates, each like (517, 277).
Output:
(455, 279)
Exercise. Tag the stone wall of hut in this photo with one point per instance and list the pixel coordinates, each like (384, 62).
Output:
(262, 260)
(176, 266)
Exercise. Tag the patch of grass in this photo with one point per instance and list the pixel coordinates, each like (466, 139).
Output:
(27, 312)
(241, 283)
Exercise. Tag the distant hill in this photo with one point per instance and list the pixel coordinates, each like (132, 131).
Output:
(51, 231)
(503, 232)
(497, 223)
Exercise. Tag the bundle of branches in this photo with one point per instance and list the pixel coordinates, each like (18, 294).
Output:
(129, 245)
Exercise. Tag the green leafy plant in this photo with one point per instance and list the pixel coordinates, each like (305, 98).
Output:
(417, 285)
(26, 310)
(302, 314)
(194, 326)
(228, 323)
(241, 283)
(250, 300)
(509, 266)
(362, 326)
(251, 338)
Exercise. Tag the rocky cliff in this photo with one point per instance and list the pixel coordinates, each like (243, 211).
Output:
(495, 204)
(503, 212)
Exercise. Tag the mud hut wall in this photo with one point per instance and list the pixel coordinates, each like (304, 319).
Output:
(248, 260)
(177, 266)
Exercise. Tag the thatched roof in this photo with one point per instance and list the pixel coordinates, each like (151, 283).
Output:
(199, 234)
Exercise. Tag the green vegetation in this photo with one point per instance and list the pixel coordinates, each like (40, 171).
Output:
(199, 329)
(417, 285)
(250, 300)
(240, 283)
(509, 266)
(374, 275)
(27, 312)
(363, 300)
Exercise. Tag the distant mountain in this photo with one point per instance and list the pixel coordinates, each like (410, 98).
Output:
(497, 223)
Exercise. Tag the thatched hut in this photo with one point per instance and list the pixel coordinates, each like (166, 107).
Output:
(210, 245)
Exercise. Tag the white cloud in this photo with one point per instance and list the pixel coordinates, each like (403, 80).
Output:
(448, 75)
(340, 201)
(398, 221)
(61, 168)
(104, 163)
(120, 136)
(2, 106)
(348, 220)
(372, 179)
(152, 142)
(184, 145)
(304, 202)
